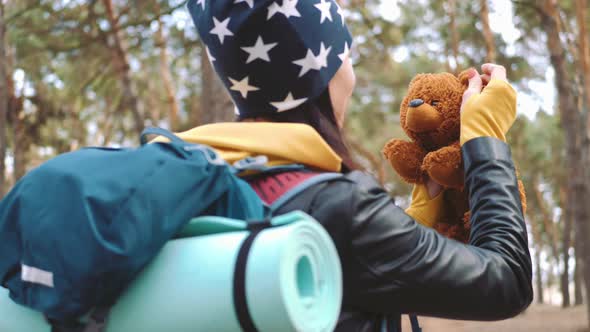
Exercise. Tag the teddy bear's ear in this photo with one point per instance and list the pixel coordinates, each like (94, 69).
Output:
(464, 78)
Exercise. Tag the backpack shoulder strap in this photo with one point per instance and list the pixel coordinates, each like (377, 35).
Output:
(306, 184)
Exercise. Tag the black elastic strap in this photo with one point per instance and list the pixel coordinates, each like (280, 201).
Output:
(98, 320)
(96, 323)
(415, 325)
(240, 302)
(68, 326)
(391, 323)
(258, 225)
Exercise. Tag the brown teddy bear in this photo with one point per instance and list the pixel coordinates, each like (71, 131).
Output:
(430, 116)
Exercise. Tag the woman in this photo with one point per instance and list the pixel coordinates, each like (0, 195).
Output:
(285, 64)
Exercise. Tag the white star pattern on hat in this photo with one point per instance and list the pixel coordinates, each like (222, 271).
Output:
(211, 57)
(259, 50)
(324, 7)
(322, 58)
(272, 10)
(345, 53)
(242, 86)
(341, 13)
(289, 103)
(273, 55)
(221, 29)
(288, 8)
(314, 62)
(249, 2)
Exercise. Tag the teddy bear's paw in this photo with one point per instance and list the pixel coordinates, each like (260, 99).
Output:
(444, 166)
(406, 159)
(465, 228)
(459, 232)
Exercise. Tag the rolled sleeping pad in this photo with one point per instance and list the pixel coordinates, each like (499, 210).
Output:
(293, 282)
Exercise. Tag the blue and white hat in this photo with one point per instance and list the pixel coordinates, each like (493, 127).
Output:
(272, 55)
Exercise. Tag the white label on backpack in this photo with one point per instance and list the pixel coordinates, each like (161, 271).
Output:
(36, 276)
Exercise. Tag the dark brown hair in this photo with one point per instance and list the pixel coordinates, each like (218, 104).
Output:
(319, 114)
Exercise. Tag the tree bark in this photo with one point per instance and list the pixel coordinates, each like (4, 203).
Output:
(173, 108)
(584, 50)
(16, 120)
(538, 245)
(578, 288)
(488, 35)
(547, 220)
(538, 277)
(123, 70)
(454, 32)
(565, 246)
(21, 142)
(216, 105)
(575, 130)
(3, 99)
(583, 229)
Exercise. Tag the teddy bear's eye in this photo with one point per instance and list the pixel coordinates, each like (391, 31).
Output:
(434, 103)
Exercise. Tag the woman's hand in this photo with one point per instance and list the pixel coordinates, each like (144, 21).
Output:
(487, 111)
(427, 205)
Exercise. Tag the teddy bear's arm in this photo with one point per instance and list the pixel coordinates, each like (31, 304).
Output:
(406, 159)
(445, 166)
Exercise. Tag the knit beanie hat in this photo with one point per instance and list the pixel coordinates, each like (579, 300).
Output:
(272, 55)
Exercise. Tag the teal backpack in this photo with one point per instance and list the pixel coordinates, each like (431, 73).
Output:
(77, 230)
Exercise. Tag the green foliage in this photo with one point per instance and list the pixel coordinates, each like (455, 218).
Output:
(73, 83)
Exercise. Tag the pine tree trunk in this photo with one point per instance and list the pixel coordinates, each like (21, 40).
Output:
(20, 145)
(173, 108)
(123, 70)
(216, 105)
(578, 287)
(547, 219)
(3, 99)
(15, 116)
(454, 33)
(538, 277)
(487, 32)
(574, 126)
(537, 244)
(583, 227)
(584, 49)
(565, 246)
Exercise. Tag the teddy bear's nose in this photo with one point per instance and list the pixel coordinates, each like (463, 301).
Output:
(416, 102)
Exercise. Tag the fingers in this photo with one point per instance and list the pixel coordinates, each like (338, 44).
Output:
(485, 78)
(475, 85)
(475, 82)
(494, 71)
(433, 188)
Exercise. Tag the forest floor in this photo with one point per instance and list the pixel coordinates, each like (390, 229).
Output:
(538, 318)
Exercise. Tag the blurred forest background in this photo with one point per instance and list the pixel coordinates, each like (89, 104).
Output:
(95, 72)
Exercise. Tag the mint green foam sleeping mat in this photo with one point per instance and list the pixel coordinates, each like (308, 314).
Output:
(292, 282)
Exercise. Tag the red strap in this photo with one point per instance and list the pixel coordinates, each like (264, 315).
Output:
(271, 187)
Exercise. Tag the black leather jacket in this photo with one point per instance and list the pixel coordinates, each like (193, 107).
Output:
(392, 265)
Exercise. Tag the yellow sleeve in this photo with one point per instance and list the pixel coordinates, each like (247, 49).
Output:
(425, 210)
(490, 113)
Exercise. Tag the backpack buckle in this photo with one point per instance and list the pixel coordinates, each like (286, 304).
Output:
(211, 156)
(257, 163)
